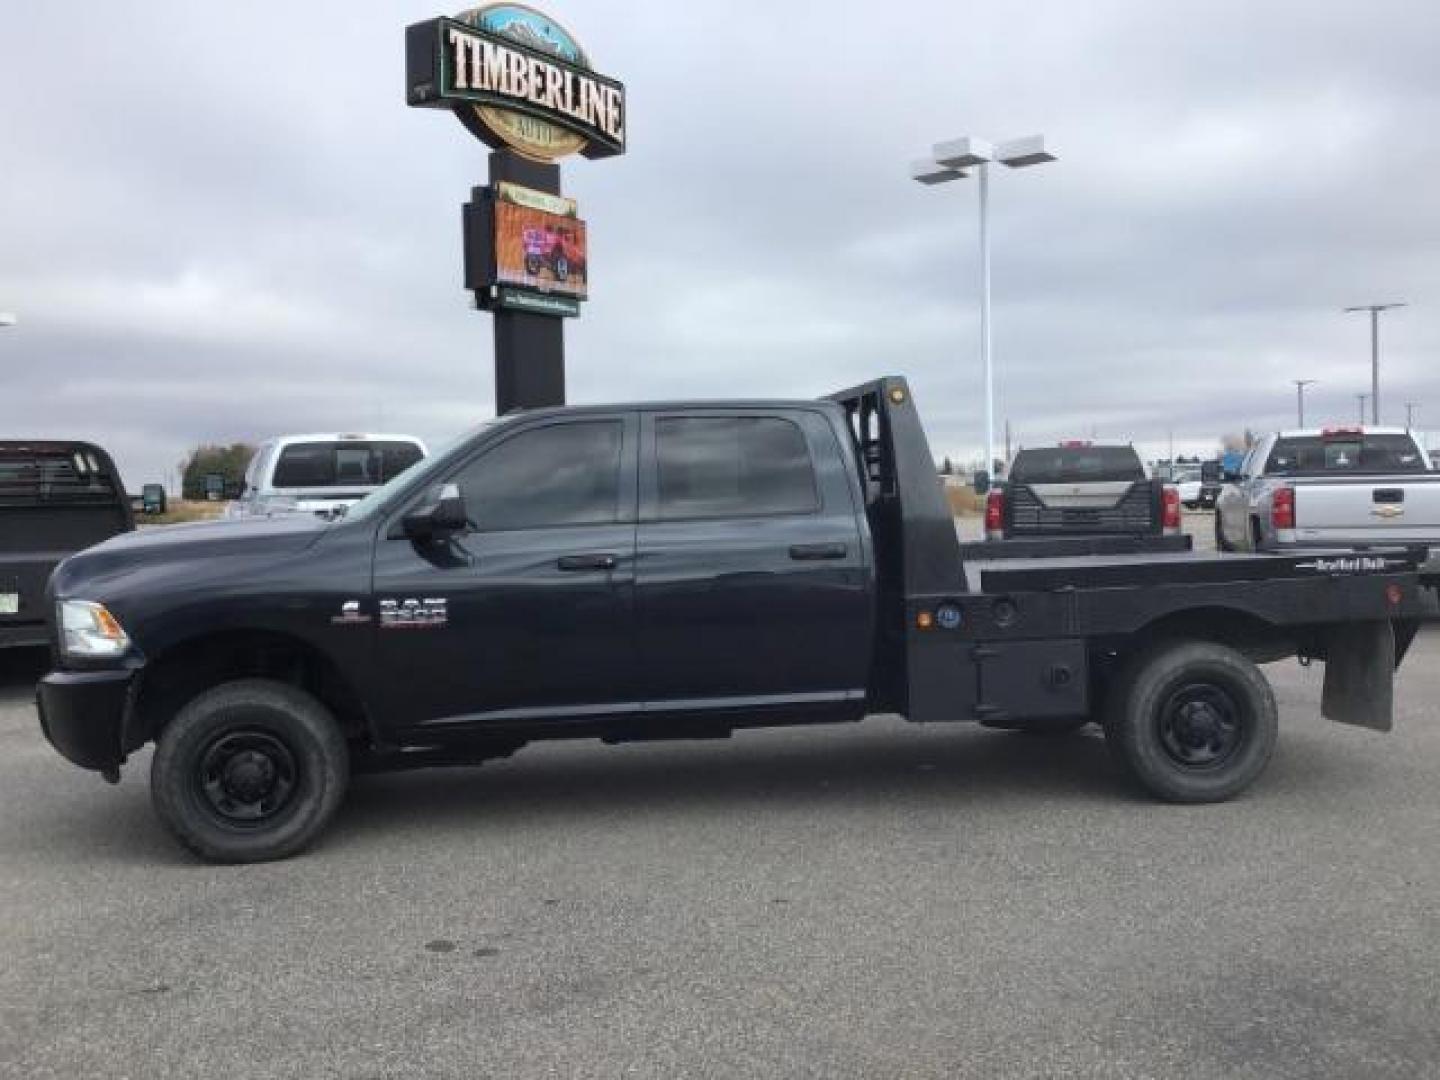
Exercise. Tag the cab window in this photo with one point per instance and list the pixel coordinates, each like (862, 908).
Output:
(733, 466)
(561, 474)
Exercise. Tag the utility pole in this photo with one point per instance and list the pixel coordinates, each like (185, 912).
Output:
(1374, 310)
(1300, 385)
(948, 161)
(1361, 399)
(1007, 442)
(1410, 407)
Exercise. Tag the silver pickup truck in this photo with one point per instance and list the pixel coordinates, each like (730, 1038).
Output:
(1335, 487)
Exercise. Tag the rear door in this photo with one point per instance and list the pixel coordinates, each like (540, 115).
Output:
(751, 580)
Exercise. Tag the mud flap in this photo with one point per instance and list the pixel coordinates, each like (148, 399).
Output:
(1360, 674)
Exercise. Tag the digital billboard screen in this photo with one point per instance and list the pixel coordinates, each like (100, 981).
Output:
(540, 242)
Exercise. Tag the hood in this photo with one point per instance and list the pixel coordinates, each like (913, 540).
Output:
(200, 542)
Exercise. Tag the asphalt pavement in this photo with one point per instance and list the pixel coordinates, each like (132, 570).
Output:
(872, 900)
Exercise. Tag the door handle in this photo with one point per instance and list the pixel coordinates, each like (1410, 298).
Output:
(817, 551)
(595, 561)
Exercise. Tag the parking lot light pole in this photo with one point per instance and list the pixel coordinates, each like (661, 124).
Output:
(1361, 399)
(1300, 385)
(948, 161)
(1374, 310)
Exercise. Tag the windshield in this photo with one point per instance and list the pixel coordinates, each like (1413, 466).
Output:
(417, 476)
(1077, 464)
(1345, 453)
(343, 462)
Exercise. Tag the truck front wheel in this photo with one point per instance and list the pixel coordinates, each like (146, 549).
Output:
(1193, 722)
(249, 771)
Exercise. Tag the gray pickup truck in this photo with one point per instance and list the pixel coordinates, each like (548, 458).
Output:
(1344, 487)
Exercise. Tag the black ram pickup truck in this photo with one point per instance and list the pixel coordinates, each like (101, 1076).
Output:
(664, 571)
(56, 498)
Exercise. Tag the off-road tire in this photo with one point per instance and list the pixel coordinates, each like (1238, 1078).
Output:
(1176, 753)
(255, 725)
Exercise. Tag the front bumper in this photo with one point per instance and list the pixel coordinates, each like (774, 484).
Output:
(84, 713)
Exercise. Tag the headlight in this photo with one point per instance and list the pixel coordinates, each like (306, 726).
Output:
(89, 630)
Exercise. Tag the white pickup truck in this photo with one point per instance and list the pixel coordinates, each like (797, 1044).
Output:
(1336, 487)
(321, 474)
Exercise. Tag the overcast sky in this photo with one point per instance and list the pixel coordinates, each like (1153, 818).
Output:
(220, 221)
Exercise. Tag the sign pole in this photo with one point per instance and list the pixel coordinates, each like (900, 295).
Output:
(521, 83)
(529, 347)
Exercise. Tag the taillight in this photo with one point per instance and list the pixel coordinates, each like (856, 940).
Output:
(1282, 508)
(995, 514)
(1170, 510)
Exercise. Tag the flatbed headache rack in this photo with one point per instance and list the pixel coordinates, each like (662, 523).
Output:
(1035, 635)
(57, 474)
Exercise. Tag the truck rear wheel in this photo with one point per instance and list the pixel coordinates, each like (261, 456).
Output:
(1192, 721)
(249, 771)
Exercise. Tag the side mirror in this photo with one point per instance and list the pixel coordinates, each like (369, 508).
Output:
(980, 482)
(439, 518)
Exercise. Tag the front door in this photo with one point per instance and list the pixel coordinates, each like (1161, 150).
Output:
(751, 575)
(528, 615)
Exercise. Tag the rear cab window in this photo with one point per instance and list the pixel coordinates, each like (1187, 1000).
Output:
(1077, 465)
(1345, 452)
(338, 463)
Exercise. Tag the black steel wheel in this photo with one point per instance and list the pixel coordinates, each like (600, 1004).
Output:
(247, 777)
(1200, 725)
(1192, 721)
(249, 771)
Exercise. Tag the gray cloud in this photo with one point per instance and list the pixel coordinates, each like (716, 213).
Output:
(221, 221)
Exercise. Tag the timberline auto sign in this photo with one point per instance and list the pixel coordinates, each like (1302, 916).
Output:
(518, 79)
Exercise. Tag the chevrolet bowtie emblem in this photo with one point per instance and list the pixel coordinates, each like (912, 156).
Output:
(1387, 510)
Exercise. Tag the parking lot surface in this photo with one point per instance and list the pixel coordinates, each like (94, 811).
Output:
(872, 900)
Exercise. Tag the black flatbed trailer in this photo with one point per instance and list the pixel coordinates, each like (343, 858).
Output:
(675, 570)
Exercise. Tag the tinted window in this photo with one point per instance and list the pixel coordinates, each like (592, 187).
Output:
(733, 466)
(565, 474)
(1076, 464)
(1347, 452)
(343, 462)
